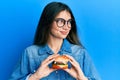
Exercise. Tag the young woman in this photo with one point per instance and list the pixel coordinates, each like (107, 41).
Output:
(56, 35)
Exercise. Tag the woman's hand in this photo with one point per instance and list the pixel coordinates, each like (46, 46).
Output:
(75, 70)
(44, 69)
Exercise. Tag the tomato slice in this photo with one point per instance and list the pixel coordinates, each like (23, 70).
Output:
(54, 66)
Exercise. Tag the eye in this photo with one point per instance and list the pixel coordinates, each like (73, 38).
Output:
(69, 21)
(60, 20)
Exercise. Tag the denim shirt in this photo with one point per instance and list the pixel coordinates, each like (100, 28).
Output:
(33, 56)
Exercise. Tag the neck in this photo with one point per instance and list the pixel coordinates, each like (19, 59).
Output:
(55, 44)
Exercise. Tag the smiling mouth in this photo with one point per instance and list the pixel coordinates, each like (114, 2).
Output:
(63, 32)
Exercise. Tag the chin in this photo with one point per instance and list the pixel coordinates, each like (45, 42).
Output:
(63, 37)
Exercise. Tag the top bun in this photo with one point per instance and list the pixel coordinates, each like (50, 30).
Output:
(62, 59)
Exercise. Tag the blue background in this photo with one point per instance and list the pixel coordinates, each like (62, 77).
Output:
(98, 28)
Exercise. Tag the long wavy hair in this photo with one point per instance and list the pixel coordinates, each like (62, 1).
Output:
(47, 17)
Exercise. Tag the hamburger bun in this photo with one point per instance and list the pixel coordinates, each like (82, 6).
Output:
(61, 62)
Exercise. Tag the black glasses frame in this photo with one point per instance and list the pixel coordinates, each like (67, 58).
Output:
(61, 22)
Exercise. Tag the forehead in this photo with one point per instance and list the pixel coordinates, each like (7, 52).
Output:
(64, 14)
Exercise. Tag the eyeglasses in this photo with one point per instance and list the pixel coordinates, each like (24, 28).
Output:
(61, 22)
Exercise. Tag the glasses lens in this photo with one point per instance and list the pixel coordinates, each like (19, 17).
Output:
(61, 22)
(69, 23)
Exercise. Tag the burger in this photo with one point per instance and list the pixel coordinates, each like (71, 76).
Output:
(61, 62)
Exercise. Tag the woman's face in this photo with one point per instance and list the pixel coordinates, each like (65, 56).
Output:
(61, 25)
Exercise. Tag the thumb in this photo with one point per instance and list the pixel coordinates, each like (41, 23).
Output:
(51, 70)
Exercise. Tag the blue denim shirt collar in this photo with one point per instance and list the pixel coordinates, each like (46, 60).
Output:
(66, 47)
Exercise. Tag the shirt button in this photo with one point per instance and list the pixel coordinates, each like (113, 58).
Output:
(34, 71)
(56, 72)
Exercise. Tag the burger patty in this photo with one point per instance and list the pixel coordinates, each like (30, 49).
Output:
(58, 63)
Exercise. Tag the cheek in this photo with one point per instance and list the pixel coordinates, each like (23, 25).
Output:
(69, 30)
(54, 30)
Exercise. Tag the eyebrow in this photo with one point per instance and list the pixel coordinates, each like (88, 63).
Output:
(63, 19)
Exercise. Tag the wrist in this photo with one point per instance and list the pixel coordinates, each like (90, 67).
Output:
(34, 77)
(82, 78)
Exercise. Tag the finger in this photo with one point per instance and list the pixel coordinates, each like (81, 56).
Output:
(50, 58)
(71, 72)
(67, 70)
(71, 59)
(73, 64)
(51, 70)
(48, 62)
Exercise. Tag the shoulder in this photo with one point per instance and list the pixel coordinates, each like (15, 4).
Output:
(31, 51)
(77, 48)
(32, 47)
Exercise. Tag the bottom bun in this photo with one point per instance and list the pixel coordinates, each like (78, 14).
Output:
(54, 66)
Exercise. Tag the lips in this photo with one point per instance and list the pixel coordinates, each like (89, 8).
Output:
(64, 32)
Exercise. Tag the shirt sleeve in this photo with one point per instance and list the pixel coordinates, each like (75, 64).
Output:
(89, 68)
(28, 76)
(21, 70)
